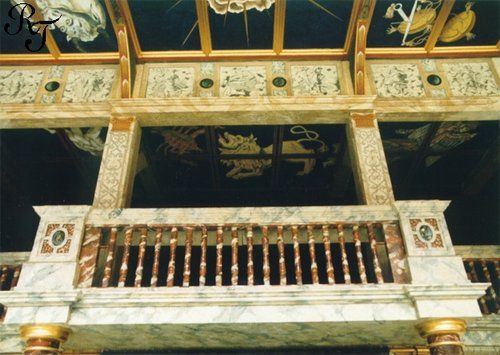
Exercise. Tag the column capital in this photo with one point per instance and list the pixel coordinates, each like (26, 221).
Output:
(44, 338)
(443, 335)
(442, 326)
(363, 119)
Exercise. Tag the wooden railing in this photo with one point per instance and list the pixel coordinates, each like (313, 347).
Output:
(9, 274)
(486, 270)
(482, 264)
(231, 255)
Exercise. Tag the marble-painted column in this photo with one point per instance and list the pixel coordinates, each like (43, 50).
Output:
(45, 290)
(44, 338)
(443, 335)
(373, 183)
(118, 165)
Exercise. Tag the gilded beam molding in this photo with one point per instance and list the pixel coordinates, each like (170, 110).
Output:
(279, 26)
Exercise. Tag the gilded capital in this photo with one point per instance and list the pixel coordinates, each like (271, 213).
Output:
(44, 338)
(441, 326)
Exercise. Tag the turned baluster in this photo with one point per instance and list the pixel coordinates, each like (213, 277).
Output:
(266, 269)
(126, 254)
(140, 257)
(359, 254)
(156, 260)
(171, 262)
(203, 258)
(110, 258)
(296, 255)
(250, 256)
(218, 261)
(343, 253)
(234, 256)
(312, 254)
(328, 255)
(281, 252)
(187, 256)
(373, 248)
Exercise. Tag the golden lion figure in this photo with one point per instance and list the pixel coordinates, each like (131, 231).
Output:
(237, 144)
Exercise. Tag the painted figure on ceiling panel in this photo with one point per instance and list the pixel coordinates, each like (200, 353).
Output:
(81, 20)
(417, 21)
(243, 168)
(222, 7)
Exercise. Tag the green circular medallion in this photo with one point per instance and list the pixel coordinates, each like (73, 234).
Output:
(279, 81)
(58, 238)
(52, 86)
(434, 79)
(206, 83)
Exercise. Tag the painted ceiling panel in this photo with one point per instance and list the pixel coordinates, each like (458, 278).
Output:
(165, 25)
(387, 28)
(469, 24)
(316, 23)
(248, 29)
(84, 27)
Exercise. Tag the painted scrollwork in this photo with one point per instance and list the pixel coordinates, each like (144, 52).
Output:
(470, 79)
(93, 85)
(397, 80)
(170, 82)
(313, 80)
(242, 81)
(19, 86)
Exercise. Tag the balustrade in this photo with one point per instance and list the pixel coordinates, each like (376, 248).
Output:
(232, 255)
(9, 275)
(486, 270)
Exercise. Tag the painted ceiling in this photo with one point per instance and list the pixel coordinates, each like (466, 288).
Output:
(173, 29)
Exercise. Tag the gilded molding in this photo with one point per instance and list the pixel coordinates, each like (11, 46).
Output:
(441, 326)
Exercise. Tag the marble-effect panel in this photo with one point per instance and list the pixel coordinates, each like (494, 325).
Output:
(89, 85)
(397, 80)
(19, 86)
(431, 271)
(315, 80)
(471, 79)
(170, 82)
(242, 81)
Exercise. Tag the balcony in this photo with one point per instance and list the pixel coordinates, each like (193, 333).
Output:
(271, 277)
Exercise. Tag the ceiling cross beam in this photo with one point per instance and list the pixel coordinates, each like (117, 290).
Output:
(204, 26)
(279, 26)
(444, 13)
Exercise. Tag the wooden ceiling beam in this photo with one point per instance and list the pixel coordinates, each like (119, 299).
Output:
(444, 13)
(204, 26)
(279, 26)
(124, 11)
